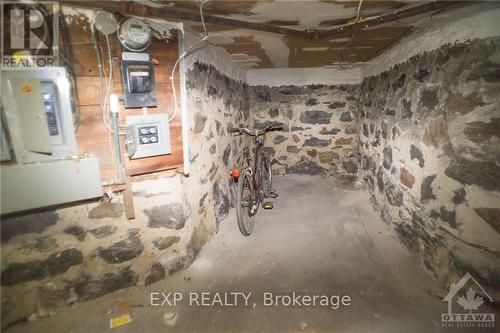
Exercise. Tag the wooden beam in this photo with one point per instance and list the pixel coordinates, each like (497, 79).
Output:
(191, 15)
(183, 14)
(391, 17)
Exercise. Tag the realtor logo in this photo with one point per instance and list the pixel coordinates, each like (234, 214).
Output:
(469, 295)
(30, 33)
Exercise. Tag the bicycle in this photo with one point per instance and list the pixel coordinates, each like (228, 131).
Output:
(254, 180)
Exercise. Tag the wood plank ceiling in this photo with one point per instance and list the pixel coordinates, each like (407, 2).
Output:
(296, 33)
(313, 30)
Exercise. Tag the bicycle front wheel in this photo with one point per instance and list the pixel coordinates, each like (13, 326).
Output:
(245, 200)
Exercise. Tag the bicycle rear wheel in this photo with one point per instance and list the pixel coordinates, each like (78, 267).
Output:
(266, 175)
(244, 203)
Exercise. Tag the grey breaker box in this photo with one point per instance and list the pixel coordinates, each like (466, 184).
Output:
(38, 113)
(138, 76)
(148, 135)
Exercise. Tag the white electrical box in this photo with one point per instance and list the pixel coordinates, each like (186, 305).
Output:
(35, 185)
(38, 113)
(148, 135)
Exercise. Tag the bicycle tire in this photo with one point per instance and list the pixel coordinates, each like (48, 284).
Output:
(266, 175)
(243, 203)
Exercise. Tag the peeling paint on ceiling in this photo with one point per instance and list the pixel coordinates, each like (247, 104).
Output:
(272, 50)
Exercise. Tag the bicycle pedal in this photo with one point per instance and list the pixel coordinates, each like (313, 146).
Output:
(267, 205)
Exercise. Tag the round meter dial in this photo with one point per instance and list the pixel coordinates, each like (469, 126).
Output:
(134, 34)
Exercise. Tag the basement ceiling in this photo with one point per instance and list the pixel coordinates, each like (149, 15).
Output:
(298, 33)
(264, 49)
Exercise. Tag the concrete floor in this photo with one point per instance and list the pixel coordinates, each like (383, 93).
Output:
(322, 238)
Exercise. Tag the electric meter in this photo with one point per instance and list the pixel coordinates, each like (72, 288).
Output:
(134, 34)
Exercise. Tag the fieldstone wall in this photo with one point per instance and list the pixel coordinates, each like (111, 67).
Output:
(430, 154)
(79, 252)
(320, 135)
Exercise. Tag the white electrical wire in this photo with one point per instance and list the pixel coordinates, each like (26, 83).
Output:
(184, 54)
(109, 86)
(339, 50)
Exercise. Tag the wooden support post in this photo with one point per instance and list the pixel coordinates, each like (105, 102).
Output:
(128, 199)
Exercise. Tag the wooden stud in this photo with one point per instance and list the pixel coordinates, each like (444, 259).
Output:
(128, 199)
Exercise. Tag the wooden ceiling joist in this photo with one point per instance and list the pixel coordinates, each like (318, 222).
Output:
(185, 14)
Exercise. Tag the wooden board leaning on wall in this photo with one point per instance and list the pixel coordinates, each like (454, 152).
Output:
(92, 136)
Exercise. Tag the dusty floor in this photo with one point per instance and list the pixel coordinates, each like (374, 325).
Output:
(322, 238)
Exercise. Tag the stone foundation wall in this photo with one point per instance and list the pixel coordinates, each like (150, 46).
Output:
(79, 252)
(430, 154)
(320, 135)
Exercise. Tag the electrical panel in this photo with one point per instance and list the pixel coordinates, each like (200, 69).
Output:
(138, 79)
(148, 135)
(39, 114)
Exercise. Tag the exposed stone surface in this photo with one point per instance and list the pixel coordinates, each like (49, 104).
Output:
(199, 122)
(106, 209)
(344, 141)
(122, 251)
(279, 139)
(346, 117)
(407, 179)
(316, 117)
(387, 157)
(103, 231)
(157, 273)
(41, 244)
(327, 156)
(308, 167)
(133, 232)
(350, 166)
(312, 102)
(429, 98)
(40, 273)
(394, 195)
(212, 91)
(490, 216)
(274, 112)
(171, 216)
(350, 129)
(57, 263)
(161, 243)
(416, 154)
(336, 105)
(332, 131)
(483, 174)
(226, 154)
(292, 149)
(448, 216)
(459, 196)
(442, 128)
(480, 131)
(19, 225)
(315, 142)
(199, 238)
(222, 201)
(426, 192)
(76, 231)
(89, 288)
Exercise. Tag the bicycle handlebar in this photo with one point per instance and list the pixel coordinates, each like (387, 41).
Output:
(256, 132)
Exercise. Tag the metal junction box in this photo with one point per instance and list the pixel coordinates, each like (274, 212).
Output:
(148, 135)
(138, 76)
